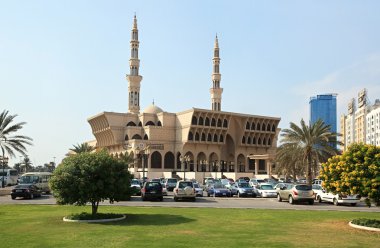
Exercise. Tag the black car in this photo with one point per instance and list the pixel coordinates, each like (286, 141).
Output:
(151, 191)
(25, 190)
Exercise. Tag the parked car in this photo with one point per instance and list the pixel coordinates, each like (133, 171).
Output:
(338, 199)
(244, 178)
(317, 189)
(151, 191)
(253, 182)
(207, 179)
(219, 189)
(296, 193)
(198, 189)
(266, 190)
(171, 183)
(184, 190)
(136, 186)
(317, 181)
(227, 183)
(164, 190)
(243, 189)
(278, 186)
(26, 191)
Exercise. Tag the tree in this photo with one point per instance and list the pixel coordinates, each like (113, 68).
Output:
(290, 161)
(17, 166)
(356, 171)
(316, 143)
(80, 148)
(9, 142)
(26, 164)
(91, 177)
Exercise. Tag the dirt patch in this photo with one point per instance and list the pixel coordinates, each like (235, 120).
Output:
(191, 232)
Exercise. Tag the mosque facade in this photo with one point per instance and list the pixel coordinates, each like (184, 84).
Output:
(194, 143)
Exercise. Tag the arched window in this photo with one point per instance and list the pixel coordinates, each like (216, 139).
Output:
(159, 123)
(225, 123)
(156, 160)
(169, 160)
(269, 142)
(136, 136)
(243, 140)
(126, 137)
(207, 121)
(131, 124)
(145, 137)
(209, 138)
(259, 142)
(263, 127)
(247, 125)
(221, 139)
(196, 136)
(264, 141)
(213, 122)
(203, 137)
(254, 141)
(149, 123)
(200, 121)
(194, 121)
(268, 127)
(249, 140)
(258, 126)
(215, 138)
(273, 128)
(253, 126)
(219, 123)
(140, 124)
(190, 136)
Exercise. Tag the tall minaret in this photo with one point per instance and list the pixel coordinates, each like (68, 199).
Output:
(134, 78)
(216, 91)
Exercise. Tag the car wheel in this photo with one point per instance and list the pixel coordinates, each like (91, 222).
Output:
(13, 197)
(279, 198)
(208, 194)
(254, 195)
(31, 196)
(175, 199)
(335, 202)
(311, 202)
(143, 198)
(291, 200)
(353, 204)
(193, 199)
(319, 199)
(161, 198)
(238, 194)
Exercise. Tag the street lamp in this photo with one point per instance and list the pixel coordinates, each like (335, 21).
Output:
(184, 161)
(4, 161)
(204, 164)
(143, 154)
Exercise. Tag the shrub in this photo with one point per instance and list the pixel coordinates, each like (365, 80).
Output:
(367, 222)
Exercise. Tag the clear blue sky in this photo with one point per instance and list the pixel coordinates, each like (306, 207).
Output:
(64, 61)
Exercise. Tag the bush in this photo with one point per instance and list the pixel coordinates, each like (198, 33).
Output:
(367, 222)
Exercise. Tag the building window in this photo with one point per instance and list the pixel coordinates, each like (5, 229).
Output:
(194, 121)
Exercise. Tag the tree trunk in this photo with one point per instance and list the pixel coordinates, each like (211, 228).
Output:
(95, 205)
(309, 178)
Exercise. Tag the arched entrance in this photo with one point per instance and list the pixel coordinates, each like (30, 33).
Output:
(228, 155)
(201, 165)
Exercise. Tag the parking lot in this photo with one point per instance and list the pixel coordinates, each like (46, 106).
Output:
(207, 202)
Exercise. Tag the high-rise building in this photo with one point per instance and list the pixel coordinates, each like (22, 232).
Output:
(324, 107)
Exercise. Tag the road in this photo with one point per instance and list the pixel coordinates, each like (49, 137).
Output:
(208, 202)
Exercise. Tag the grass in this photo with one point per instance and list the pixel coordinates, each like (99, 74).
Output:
(42, 226)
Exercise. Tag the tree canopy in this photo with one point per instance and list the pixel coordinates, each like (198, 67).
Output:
(80, 148)
(91, 177)
(356, 171)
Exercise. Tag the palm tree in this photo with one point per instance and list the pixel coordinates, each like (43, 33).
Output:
(26, 164)
(315, 143)
(80, 148)
(9, 142)
(290, 161)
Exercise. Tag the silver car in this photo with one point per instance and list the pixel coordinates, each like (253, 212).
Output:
(184, 190)
(296, 193)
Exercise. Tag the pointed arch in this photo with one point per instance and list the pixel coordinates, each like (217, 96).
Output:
(254, 141)
(263, 127)
(253, 126)
(219, 123)
(247, 125)
(150, 123)
(207, 121)
(264, 141)
(203, 137)
(190, 136)
(215, 138)
(209, 137)
(268, 127)
(145, 137)
(259, 141)
(225, 123)
(213, 122)
(221, 138)
(269, 142)
(140, 124)
(178, 161)
(200, 121)
(196, 136)
(243, 140)
(131, 124)
(194, 120)
(126, 137)
(169, 160)
(156, 160)
(136, 136)
(249, 140)
(159, 123)
(273, 128)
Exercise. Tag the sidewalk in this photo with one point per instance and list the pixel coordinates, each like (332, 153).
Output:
(5, 191)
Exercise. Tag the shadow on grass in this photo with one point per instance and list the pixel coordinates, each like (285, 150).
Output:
(150, 220)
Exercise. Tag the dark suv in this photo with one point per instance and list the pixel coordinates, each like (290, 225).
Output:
(152, 190)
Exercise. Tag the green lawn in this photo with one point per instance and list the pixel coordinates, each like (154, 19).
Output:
(42, 226)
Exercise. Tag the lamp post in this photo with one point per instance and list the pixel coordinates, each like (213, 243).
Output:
(4, 161)
(204, 165)
(184, 161)
(144, 154)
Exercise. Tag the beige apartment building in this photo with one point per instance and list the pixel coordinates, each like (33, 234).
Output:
(194, 143)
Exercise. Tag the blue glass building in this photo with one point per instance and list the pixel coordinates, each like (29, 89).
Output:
(324, 107)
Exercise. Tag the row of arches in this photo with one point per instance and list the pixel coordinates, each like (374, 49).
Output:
(148, 123)
(259, 141)
(209, 122)
(136, 136)
(203, 137)
(260, 127)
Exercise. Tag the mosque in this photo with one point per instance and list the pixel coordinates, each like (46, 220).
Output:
(194, 143)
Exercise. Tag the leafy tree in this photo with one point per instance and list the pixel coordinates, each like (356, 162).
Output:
(17, 166)
(290, 161)
(26, 164)
(315, 143)
(91, 177)
(356, 171)
(9, 142)
(80, 148)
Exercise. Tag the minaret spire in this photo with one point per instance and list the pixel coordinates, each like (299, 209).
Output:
(216, 91)
(134, 78)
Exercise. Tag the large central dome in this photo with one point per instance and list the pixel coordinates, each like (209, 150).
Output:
(153, 109)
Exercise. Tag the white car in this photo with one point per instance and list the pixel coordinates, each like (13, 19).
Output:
(253, 182)
(198, 190)
(337, 199)
(318, 190)
(266, 190)
(184, 190)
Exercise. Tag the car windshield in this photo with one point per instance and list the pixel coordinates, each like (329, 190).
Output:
(219, 186)
(266, 187)
(173, 180)
(303, 187)
(28, 179)
(243, 185)
(317, 187)
(196, 185)
(151, 185)
(134, 182)
(183, 185)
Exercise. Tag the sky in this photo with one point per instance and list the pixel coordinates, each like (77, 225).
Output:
(62, 62)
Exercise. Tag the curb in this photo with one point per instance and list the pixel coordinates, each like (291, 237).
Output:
(373, 229)
(95, 221)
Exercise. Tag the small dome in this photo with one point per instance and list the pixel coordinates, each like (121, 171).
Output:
(153, 109)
